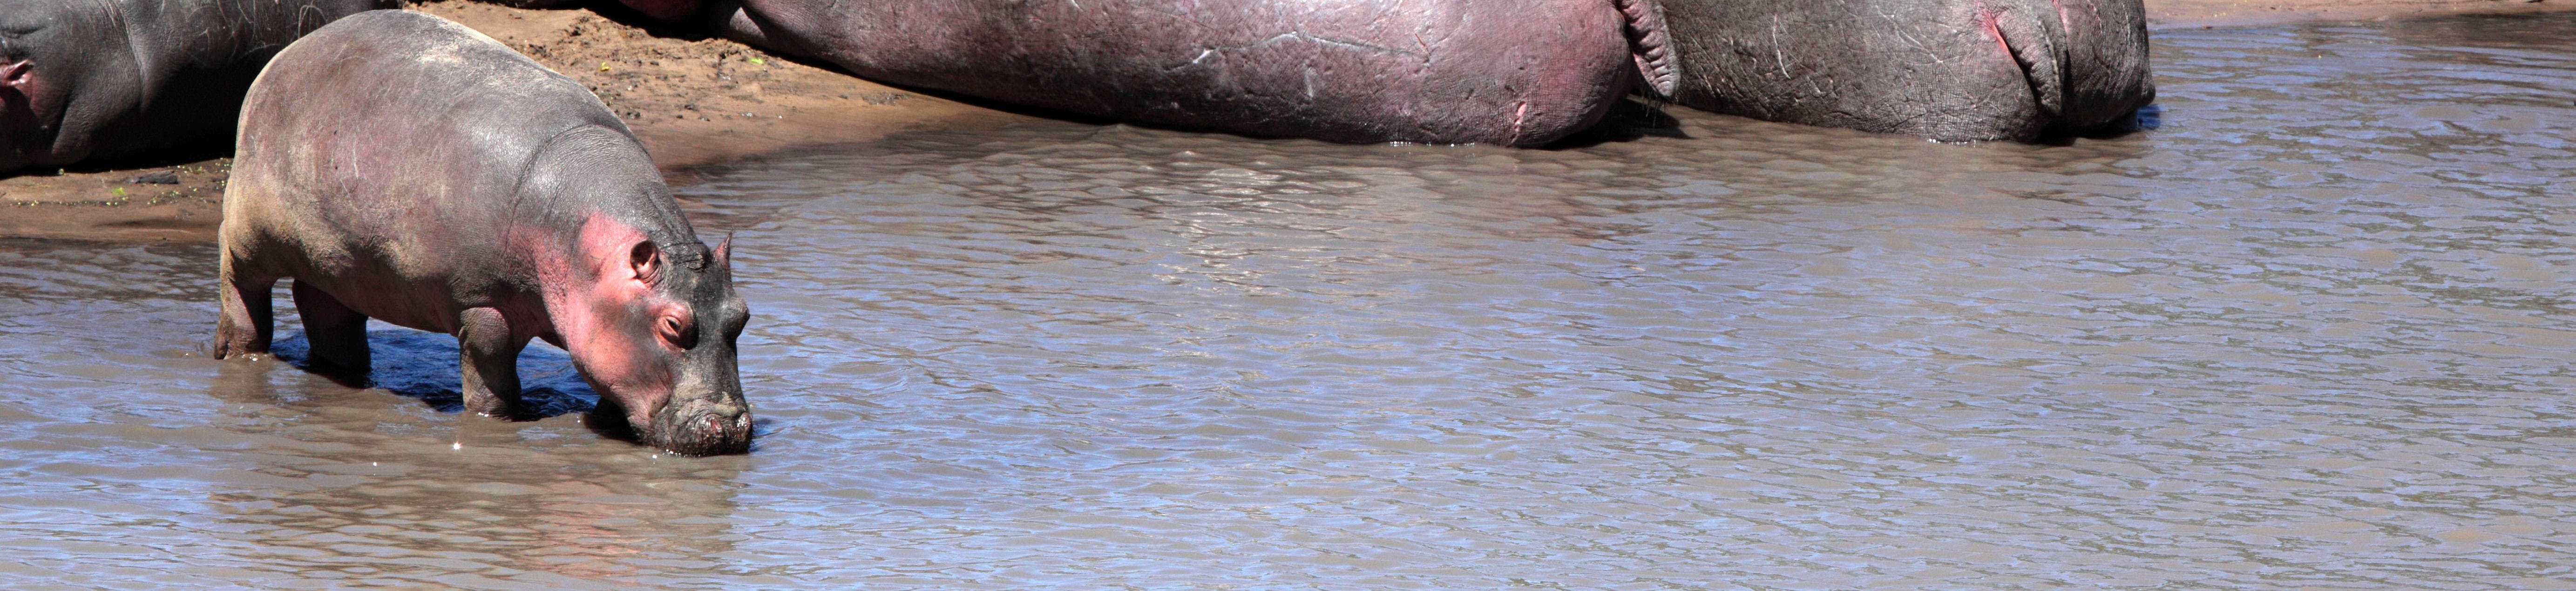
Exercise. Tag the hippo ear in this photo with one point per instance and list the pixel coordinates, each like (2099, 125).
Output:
(647, 261)
(724, 252)
(15, 73)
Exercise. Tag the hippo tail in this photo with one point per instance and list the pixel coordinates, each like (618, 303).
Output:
(1652, 45)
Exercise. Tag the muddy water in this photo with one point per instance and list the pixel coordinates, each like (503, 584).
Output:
(2312, 333)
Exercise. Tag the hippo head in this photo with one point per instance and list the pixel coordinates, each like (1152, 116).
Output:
(660, 347)
(48, 51)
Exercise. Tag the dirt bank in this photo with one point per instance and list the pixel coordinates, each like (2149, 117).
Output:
(2165, 14)
(694, 101)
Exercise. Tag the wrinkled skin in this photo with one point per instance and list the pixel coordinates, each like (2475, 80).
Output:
(83, 79)
(1951, 70)
(401, 167)
(1507, 72)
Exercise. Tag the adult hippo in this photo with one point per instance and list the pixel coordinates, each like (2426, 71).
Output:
(82, 79)
(401, 167)
(1951, 70)
(1507, 72)
(1510, 72)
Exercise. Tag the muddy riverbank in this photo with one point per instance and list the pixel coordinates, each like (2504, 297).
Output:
(699, 101)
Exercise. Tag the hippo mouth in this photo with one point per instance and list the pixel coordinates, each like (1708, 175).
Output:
(1650, 43)
(698, 429)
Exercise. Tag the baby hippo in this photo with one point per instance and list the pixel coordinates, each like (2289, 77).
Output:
(405, 168)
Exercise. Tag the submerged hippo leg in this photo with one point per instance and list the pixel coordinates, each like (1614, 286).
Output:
(337, 335)
(491, 362)
(242, 328)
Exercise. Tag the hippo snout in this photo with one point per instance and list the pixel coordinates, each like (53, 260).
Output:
(701, 428)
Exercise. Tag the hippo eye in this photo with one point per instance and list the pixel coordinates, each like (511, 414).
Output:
(678, 334)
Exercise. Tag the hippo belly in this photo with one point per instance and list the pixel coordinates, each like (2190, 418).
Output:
(1506, 72)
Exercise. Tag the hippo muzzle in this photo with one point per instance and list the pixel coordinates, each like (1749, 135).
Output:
(704, 414)
(716, 421)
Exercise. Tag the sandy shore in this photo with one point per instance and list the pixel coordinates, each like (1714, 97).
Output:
(699, 101)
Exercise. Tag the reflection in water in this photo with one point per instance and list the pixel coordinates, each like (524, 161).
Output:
(2310, 333)
(423, 365)
(467, 504)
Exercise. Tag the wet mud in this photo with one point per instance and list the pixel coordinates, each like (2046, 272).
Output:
(2310, 332)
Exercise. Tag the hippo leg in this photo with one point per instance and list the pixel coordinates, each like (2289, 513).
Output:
(491, 362)
(243, 327)
(336, 334)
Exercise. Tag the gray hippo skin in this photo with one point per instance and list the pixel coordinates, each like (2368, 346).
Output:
(83, 79)
(404, 168)
(1507, 72)
(1951, 70)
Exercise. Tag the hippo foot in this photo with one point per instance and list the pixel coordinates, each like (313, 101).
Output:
(497, 408)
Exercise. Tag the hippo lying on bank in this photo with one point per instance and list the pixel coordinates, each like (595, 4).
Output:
(1509, 72)
(402, 167)
(1951, 70)
(83, 79)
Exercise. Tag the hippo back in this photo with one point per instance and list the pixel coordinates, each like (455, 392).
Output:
(402, 142)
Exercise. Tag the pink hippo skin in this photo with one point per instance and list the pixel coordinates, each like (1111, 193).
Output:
(401, 167)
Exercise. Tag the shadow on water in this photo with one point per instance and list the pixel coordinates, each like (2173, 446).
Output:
(2146, 118)
(357, 495)
(1628, 121)
(423, 366)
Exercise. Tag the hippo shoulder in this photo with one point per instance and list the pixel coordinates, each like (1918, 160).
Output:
(441, 52)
